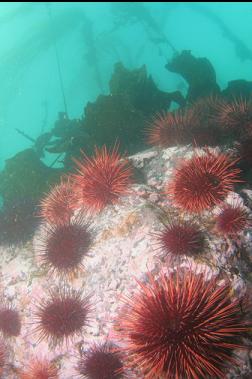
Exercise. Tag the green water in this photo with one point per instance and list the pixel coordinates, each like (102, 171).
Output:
(30, 91)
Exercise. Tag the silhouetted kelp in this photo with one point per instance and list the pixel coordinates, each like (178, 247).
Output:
(198, 72)
(121, 115)
(128, 12)
(91, 53)
(34, 42)
(133, 98)
(26, 176)
(18, 221)
(241, 49)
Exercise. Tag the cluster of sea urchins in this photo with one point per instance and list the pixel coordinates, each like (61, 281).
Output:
(210, 121)
(181, 325)
(65, 240)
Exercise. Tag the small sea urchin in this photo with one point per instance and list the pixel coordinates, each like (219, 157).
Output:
(236, 115)
(102, 179)
(203, 181)
(63, 246)
(41, 369)
(61, 316)
(205, 110)
(231, 220)
(10, 322)
(180, 238)
(101, 361)
(57, 206)
(169, 128)
(181, 326)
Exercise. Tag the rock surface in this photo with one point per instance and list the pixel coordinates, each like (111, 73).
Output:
(124, 249)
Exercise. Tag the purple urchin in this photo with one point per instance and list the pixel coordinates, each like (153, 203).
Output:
(231, 220)
(63, 246)
(179, 237)
(62, 315)
(236, 116)
(101, 361)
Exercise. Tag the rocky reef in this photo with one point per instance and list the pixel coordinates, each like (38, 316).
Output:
(124, 248)
(141, 254)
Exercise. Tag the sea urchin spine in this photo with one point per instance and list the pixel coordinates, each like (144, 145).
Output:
(41, 369)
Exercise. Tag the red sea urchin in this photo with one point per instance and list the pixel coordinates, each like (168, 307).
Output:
(10, 323)
(205, 131)
(180, 238)
(57, 206)
(101, 361)
(231, 220)
(181, 326)
(61, 316)
(40, 369)
(170, 128)
(63, 246)
(203, 181)
(236, 115)
(102, 179)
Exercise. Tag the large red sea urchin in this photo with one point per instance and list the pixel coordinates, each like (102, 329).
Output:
(182, 326)
(101, 179)
(203, 181)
